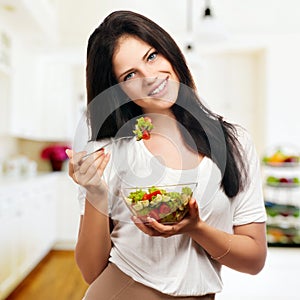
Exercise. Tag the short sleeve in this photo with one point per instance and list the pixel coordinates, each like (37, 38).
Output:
(248, 205)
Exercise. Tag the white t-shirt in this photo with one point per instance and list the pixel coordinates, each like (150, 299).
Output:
(176, 265)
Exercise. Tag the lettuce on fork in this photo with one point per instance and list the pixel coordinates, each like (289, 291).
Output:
(143, 128)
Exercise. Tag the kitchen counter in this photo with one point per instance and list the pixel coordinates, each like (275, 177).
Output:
(38, 213)
(6, 180)
(279, 280)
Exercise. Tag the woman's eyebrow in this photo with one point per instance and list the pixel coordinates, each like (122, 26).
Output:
(146, 54)
(130, 70)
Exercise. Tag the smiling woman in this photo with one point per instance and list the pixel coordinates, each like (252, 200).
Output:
(138, 60)
(134, 70)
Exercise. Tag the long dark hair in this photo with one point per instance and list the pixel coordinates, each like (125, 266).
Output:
(107, 114)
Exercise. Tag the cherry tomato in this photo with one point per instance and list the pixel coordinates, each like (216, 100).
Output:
(149, 196)
(146, 135)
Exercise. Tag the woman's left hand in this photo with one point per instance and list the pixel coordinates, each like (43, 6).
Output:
(187, 224)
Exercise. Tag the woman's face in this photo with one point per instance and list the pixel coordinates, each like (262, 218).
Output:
(145, 75)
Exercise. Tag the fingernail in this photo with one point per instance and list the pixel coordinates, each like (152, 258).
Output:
(68, 152)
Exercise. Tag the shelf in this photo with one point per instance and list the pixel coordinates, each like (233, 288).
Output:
(283, 185)
(282, 199)
(289, 236)
(285, 210)
(283, 165)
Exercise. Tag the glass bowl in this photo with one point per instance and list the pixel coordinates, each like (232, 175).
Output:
(168, 204)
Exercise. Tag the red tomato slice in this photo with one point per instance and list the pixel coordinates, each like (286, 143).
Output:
(149, 196)
(146, 135)
(154, 214)
(164, 209)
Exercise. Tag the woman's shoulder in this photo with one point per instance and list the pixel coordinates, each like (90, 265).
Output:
(243, 136)
(247, 143)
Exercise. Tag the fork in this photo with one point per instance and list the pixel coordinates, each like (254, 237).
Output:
(105, 145)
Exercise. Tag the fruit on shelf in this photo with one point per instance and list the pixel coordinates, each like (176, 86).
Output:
(279, 158)
(277, 234)
(283, 181)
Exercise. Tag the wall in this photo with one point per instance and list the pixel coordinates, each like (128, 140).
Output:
(269, 24)
(283, 95)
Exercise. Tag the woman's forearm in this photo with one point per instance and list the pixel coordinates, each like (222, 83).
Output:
(94, 243)
(244, 251)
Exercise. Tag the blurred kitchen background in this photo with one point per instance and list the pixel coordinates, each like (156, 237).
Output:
(245, 59)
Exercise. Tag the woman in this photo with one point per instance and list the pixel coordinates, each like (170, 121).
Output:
(226, 220)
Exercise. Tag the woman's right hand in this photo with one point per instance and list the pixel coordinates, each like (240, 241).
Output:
(94, 243)
(88, 172)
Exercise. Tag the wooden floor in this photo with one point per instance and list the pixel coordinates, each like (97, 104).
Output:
(56, 277)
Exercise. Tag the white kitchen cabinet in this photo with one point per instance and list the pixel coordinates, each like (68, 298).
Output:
(25, 105)
(35, 20)
(5, 80)
(28, 227)
(5, 92)
(7, 238)
(36, 215)
(44, 101)
(68, 214)
(60, 89)
(55, 99)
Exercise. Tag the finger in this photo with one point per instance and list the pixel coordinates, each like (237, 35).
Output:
(70, 164)
(69, 153)
(103, 164)
(73, 158)
(163, 229)
(74, 163)
(193, 208)
(88, 173)
(143, 227)
(85, 164)
(97, 169)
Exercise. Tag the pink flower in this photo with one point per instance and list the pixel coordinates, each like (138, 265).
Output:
(55, 152)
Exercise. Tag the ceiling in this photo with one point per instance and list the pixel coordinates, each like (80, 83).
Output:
(78, 18)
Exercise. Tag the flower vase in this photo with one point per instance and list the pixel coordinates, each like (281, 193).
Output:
(56, 164)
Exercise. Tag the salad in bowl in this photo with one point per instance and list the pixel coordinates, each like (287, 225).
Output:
(167, 204)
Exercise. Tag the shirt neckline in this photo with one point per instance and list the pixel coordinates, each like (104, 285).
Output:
(150, 154)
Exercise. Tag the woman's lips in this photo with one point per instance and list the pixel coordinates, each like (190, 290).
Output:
(159, 88)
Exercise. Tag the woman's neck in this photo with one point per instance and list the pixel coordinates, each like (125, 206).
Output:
(164, 122)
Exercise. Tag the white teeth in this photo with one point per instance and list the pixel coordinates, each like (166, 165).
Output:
(159, 88)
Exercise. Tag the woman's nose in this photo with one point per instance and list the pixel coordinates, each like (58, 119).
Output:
(149, 75)
(149, 80)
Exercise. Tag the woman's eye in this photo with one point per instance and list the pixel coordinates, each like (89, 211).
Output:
(152, 56)
(128, 76)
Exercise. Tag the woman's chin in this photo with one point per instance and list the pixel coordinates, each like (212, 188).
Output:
(154, 103)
